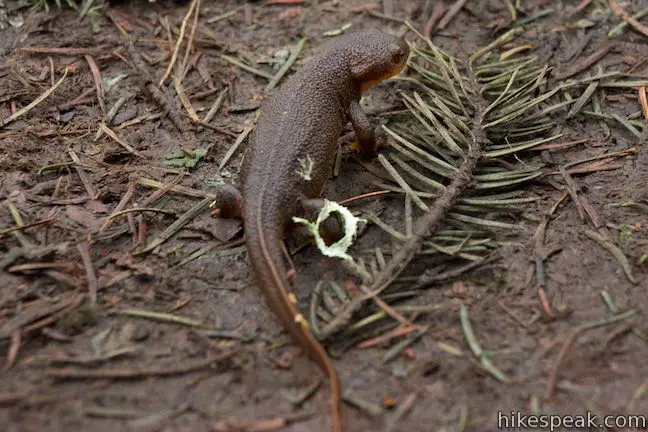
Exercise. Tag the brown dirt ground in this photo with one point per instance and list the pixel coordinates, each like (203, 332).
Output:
(604, 372)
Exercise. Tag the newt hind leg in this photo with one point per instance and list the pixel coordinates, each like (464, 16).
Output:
(365, 136)
(228, 202)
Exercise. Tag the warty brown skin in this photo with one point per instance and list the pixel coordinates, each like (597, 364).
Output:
(305, 119)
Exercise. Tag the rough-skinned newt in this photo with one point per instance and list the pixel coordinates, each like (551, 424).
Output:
(303, 121)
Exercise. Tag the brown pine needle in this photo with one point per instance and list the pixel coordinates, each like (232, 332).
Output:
(364, 196)
(91, 275)
(98, 80)
(14, 349)
(87, 183)
(571, 339)
(287, 65)
(37, 101)
(193, 366)
(397, 332)
(643, 98)
(627, 18)
(186, 103)
(159, 316)
(176, 49)
(454, 10)
(192, 34)
(120, 141)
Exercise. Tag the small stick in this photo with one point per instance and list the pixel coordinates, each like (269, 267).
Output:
(401, 411)
(92, 193)
(585, 64)
(424, 280)
(476, 349)
(430, 24)
(99, 87)
(45, 322)
(141, 210)
(140, 119)
(387, 309)
(111, 115)
(627, 18)
(32, 314)
(454, 10)
(24, 227)
(287, 65)
(643, 98)
(65, 51)
(397, 332)
(364, 196)
(217, 129)
(12, 398)
(176, 226)
(93, 282)
(186, 103)
(157, 316)
(40, 266)
(510, 313)
(76, 101)
(572, 187)
(176, 49)
(120, 141)
(215, 106)
(14, 349)
(174, 188)
(235, 146)
(162, 190)
(616, 253)
(153, 91)
(546, 305)
(224, 16)
(247, 68)
(75, 373)
(120, 206)
(616, 31)
(38, 100)
(52, 73)
(580, 8)
(553, 376)
(192, 34)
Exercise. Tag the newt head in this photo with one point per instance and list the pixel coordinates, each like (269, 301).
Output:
(375, 56)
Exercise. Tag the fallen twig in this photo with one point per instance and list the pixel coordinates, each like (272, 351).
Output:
(176, 49)
(476, 349)
(615, 251)
(553, 376)
(37, 101)
(91, 275)
(87, 183)
(120, 141)
(159, 316)
(627, 18)
(287, 65)
(99, 87)
(166, 370)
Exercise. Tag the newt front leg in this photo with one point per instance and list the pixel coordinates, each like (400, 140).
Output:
(366, 139)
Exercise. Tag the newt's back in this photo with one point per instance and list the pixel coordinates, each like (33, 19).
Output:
(298, 126)
(293, 150)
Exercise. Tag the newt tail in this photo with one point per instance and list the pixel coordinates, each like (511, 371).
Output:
(303, 121)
